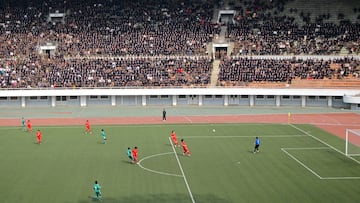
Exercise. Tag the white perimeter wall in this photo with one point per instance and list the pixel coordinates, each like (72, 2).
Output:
(349, 95)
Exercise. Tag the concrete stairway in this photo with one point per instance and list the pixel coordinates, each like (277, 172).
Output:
(215, 73)
(344, 52)
(230, 48)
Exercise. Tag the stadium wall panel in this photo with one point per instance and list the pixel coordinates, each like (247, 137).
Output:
(337, 98)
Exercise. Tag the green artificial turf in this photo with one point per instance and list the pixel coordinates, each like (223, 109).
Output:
(299, 163)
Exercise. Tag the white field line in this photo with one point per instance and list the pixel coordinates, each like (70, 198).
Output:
(340, 178)
(306, 133)
(305, 148)
(154, 171)
(301, 163)
(234, 136)
(182, 172)
(313, 172)
(142, 125)
(336, 124)
(188, 119)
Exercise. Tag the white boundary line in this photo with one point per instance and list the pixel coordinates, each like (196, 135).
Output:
(143, 125)
(312, 171)
(340, 178)
(229, 136)
(306, 133)
(188, 119)
(353, 154)
(335, 124)
(154, 171)
(182, 172)
(304, 148)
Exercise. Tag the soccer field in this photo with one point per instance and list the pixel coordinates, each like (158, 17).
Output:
(296, 163)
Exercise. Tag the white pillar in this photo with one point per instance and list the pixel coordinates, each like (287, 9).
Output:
(251, 97)
(303, 101)
(329, 101)
(23, 103)
(200, 100)
(277, 101)
(53, 101)
(226, 100)
(143, 100)
(113, 100)
(174, 101)
(83, 101)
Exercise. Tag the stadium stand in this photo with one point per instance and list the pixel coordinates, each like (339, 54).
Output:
(166, 43)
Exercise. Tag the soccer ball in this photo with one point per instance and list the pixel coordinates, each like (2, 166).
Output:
(213, 130)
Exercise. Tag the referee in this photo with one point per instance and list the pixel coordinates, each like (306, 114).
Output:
(164, 115)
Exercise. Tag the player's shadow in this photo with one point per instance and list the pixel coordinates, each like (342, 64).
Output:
(95, 199)
(181, 155)
(127, 161)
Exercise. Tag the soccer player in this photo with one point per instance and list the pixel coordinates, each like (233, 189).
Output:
(87, 127)
(39, 136)
(29, 126)
(135, 154)
(185, 148)
(257, 144)
(174, 138)
(23, 124)
(103, 135)
(97, 190)
(129, 154)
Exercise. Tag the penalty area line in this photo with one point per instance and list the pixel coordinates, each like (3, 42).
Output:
(323, 142)
(301, 163)
(285, 150)
(245, 136)
(341, 178)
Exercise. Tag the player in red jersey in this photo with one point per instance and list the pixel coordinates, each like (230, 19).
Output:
(185, 148)
(135, 155)
(87, 127)
(174, 138)
(39, 136)
(29, 126)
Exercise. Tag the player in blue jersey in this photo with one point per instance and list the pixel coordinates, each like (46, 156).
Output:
(97, 190)
(103, 135)
(257, 144)
(129, 154)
